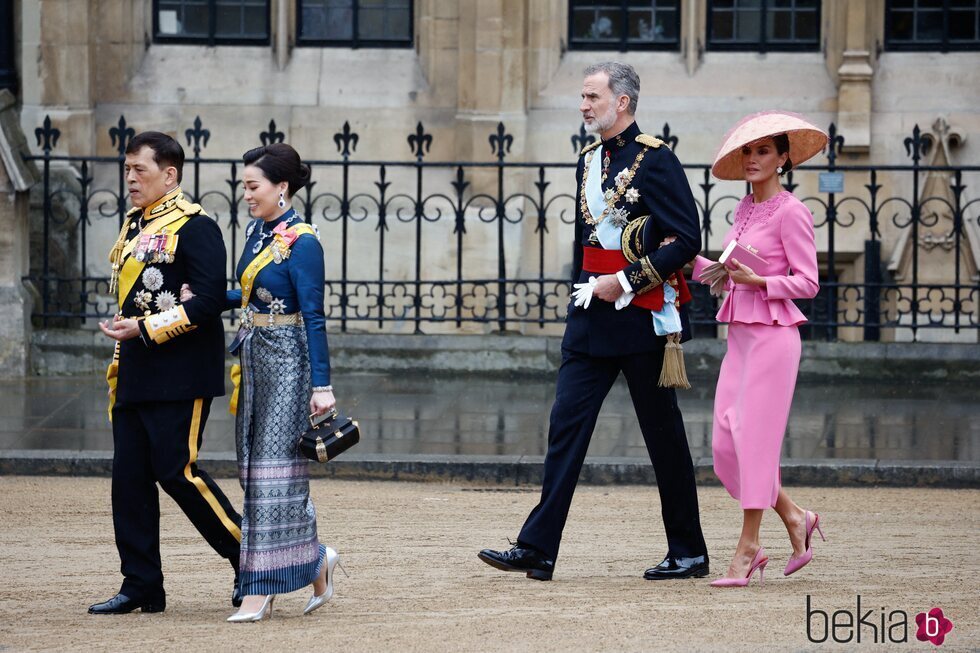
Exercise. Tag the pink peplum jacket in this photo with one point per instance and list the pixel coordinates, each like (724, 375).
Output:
(781, 229)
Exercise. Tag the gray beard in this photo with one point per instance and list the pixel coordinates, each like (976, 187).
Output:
(602, 123)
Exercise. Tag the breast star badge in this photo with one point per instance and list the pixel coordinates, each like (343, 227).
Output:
(632, 195)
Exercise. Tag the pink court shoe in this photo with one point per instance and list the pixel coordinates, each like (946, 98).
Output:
(797, 563)
(758, 562)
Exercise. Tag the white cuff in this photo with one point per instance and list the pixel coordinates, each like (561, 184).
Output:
(623, 282)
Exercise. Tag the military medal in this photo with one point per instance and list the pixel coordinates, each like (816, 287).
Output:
(619, 216)
(165, 301)
(632, 195)
(152, 279)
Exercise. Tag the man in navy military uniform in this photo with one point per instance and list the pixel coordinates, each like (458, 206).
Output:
(167, 367)
(621, 179)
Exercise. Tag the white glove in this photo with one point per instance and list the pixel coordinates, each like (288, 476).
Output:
(624, 300)
(583, 292)
(716, 276)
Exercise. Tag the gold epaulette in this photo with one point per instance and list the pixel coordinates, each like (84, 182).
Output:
(632, 239)
(649, 141)
(189, 208)
(590, 146)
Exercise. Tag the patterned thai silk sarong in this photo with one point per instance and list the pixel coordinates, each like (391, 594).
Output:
(280, 551)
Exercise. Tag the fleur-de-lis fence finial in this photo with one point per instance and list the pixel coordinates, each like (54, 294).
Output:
(671, 141)
(47, 136)
(582, 139)
(272, 135)
(196, 135)
(915, 144)
(346, 140)
(420, 142)
(834, 143)
(121, 135)
(501, 141)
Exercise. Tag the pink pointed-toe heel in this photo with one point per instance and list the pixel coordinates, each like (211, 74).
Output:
(758, 562)
(797, 563)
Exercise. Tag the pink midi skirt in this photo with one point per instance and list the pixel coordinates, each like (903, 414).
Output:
(752, 403)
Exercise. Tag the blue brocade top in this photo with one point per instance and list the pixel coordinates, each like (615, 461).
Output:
(295, 285)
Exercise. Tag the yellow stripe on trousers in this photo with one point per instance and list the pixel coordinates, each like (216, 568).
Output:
(199, 483)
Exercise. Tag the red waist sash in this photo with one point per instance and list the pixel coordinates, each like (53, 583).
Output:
(610, 261)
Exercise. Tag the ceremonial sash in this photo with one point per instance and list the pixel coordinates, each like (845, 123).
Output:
(132, 268)
(247, 283)
(265, 257)
(609, 235)
(611, 261)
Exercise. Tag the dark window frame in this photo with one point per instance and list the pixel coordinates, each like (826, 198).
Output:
(211, 39)
(355, 42)
(763, 45)
(624, 44)
(942, 46)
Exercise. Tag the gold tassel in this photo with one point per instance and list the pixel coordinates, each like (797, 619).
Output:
(674, 373)
(115, 258)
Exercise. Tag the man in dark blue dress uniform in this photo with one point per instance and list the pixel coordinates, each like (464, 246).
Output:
(632, 195)
(167, 367)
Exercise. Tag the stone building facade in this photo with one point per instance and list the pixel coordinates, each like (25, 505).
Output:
(461, 67)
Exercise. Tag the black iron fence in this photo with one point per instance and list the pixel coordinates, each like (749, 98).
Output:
(439, 244)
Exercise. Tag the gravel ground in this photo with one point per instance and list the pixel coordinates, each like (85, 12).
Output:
(416, 585)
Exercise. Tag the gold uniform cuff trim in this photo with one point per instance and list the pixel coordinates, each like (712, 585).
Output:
(651, 275)
(167, 325)
(631, 240)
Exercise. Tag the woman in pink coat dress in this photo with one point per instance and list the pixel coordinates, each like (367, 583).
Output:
(758, 374)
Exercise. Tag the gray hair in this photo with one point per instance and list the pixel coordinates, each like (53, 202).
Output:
(623, 80)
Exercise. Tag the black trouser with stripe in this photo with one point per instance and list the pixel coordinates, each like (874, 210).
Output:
(157, 442)
(583, 383)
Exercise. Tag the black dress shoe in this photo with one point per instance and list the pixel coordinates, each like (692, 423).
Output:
(677, 567)
(122, 604)
(520, 558)
(236, 593)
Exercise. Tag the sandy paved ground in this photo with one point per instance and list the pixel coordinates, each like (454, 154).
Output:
(416, 584)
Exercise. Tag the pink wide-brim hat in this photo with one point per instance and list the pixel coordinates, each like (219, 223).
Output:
(805, 140)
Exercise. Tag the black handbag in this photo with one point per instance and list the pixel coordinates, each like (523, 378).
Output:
(330, 435)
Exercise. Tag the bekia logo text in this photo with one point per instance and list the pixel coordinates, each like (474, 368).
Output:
(873, 626)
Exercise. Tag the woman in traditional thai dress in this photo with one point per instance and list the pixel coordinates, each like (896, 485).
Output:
(758, 374)
(283, 378)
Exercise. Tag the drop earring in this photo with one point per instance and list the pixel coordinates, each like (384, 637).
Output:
(282, 199)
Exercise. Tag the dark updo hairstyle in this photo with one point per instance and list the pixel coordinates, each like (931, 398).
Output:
(280, 163)
(782, 147)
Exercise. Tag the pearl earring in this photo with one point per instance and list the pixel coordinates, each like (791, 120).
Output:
(779, 171)
(282, 199)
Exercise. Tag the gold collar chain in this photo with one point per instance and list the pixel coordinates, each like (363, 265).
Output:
(612, 199)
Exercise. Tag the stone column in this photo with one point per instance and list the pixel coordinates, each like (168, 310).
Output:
(492, 75)
(16, 179)
(854, 79)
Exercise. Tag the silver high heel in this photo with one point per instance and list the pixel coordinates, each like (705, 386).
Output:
(332, 560)
(241, 617)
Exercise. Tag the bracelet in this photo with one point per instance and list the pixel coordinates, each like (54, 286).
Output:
(323, 388)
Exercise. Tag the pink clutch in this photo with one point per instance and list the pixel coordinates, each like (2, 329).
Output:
(744, 254)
